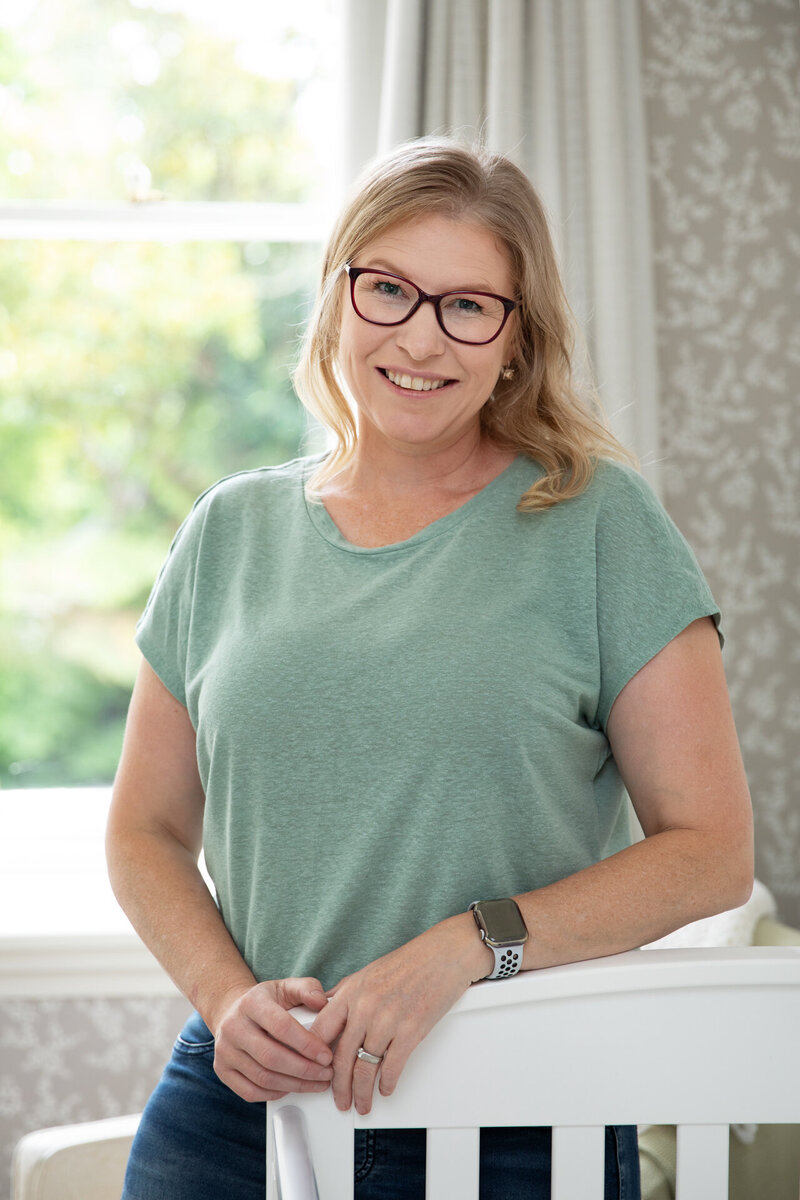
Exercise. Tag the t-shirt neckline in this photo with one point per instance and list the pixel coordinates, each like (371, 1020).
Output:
(325, 525)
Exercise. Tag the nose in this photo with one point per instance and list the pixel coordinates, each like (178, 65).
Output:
(421, 335)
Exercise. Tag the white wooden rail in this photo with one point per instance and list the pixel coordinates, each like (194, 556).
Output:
(700, 1039)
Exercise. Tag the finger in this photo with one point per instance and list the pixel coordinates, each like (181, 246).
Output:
(365, 1075)
(332, 991)
(269, 1080)
(269, 1074)
(302, 991)
(343, 1065)
(272, 1055)
(279, 1025)
(393, 1063)
(330, 1022)
(354, 1077)
(249, 1089)
(395, 1059)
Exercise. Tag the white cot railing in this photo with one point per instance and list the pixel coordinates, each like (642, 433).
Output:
(700, 1039)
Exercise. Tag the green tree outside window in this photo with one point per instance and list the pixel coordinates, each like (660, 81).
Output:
(132, 375)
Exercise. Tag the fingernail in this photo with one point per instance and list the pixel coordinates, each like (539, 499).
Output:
(324, 1058)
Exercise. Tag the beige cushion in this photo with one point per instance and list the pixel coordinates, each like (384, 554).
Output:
(74, 1162)
(766, 1169)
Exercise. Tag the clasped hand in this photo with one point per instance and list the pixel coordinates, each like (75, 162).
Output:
(262, 1052)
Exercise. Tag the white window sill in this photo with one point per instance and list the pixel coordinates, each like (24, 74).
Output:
(92, 965)
(62, 932)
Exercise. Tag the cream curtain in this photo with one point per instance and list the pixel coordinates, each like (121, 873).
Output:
(556, 85)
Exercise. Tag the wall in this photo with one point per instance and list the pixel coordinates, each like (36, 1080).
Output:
(69, 1059)
(723, 113)
(87, 1016)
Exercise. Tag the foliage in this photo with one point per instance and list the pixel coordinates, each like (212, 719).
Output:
(93, 92)
(131, 375)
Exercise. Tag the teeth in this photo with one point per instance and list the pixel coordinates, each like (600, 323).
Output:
(414, 382)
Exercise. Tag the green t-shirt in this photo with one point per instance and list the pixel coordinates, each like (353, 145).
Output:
(385, 734)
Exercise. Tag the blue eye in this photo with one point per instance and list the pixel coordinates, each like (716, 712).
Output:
(385, 287)
(464, 306)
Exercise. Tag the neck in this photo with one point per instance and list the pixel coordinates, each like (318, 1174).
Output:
(398, 471)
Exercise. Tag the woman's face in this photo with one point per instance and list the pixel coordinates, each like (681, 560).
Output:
(379, 362)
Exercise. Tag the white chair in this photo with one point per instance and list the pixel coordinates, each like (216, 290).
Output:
(700, 1039)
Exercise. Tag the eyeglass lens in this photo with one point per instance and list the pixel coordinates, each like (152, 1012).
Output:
(387, 300)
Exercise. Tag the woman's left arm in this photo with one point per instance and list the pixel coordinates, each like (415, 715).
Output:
(672, 734)
(673, 738)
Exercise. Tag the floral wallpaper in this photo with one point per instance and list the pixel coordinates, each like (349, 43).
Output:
(723, 112)
(69, 1060)
(722, 87)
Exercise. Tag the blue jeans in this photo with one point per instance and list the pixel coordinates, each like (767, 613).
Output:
(198, 1140)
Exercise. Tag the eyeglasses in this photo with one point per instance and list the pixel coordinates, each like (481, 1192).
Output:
(382, 298)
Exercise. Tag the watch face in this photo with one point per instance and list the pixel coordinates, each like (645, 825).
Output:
(502, 922)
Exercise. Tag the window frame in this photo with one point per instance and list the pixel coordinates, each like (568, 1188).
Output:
(164, 221)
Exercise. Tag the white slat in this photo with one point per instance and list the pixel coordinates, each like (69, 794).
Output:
(702, 1167)
(324, 1139)
(452, 1164)
(578, 1162)
(294, 1170)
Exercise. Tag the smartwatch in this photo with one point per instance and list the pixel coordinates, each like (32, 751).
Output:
(502, 928)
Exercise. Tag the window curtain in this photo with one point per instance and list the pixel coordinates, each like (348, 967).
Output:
(555, 85)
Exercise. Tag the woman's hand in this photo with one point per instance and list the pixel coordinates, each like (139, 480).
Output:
(263, 1053)
(390, 1005)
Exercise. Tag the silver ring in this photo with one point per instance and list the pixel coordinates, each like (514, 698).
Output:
(365, 1056)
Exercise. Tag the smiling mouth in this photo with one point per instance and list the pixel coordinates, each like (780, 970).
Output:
(414, 383)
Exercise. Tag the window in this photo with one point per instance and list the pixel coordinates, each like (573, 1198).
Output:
(170, 167)
(168, 173)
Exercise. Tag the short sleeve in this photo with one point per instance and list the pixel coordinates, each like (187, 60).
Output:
(163, 630)
(649, 584)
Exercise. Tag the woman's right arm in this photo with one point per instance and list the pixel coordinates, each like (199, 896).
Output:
(153, 844)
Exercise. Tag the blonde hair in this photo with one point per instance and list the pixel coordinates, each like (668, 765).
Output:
(541, 411)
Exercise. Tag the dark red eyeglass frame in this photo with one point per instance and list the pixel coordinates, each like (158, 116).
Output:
(354, 272)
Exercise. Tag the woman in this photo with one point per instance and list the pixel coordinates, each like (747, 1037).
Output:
(382, 683)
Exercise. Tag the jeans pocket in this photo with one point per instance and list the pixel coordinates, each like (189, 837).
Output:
(195, 1037)
(364, 1153)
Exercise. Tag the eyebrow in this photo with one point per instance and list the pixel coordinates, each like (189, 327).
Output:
(384, 265)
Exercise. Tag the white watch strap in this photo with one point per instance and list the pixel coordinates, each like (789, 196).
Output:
(507, 961)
